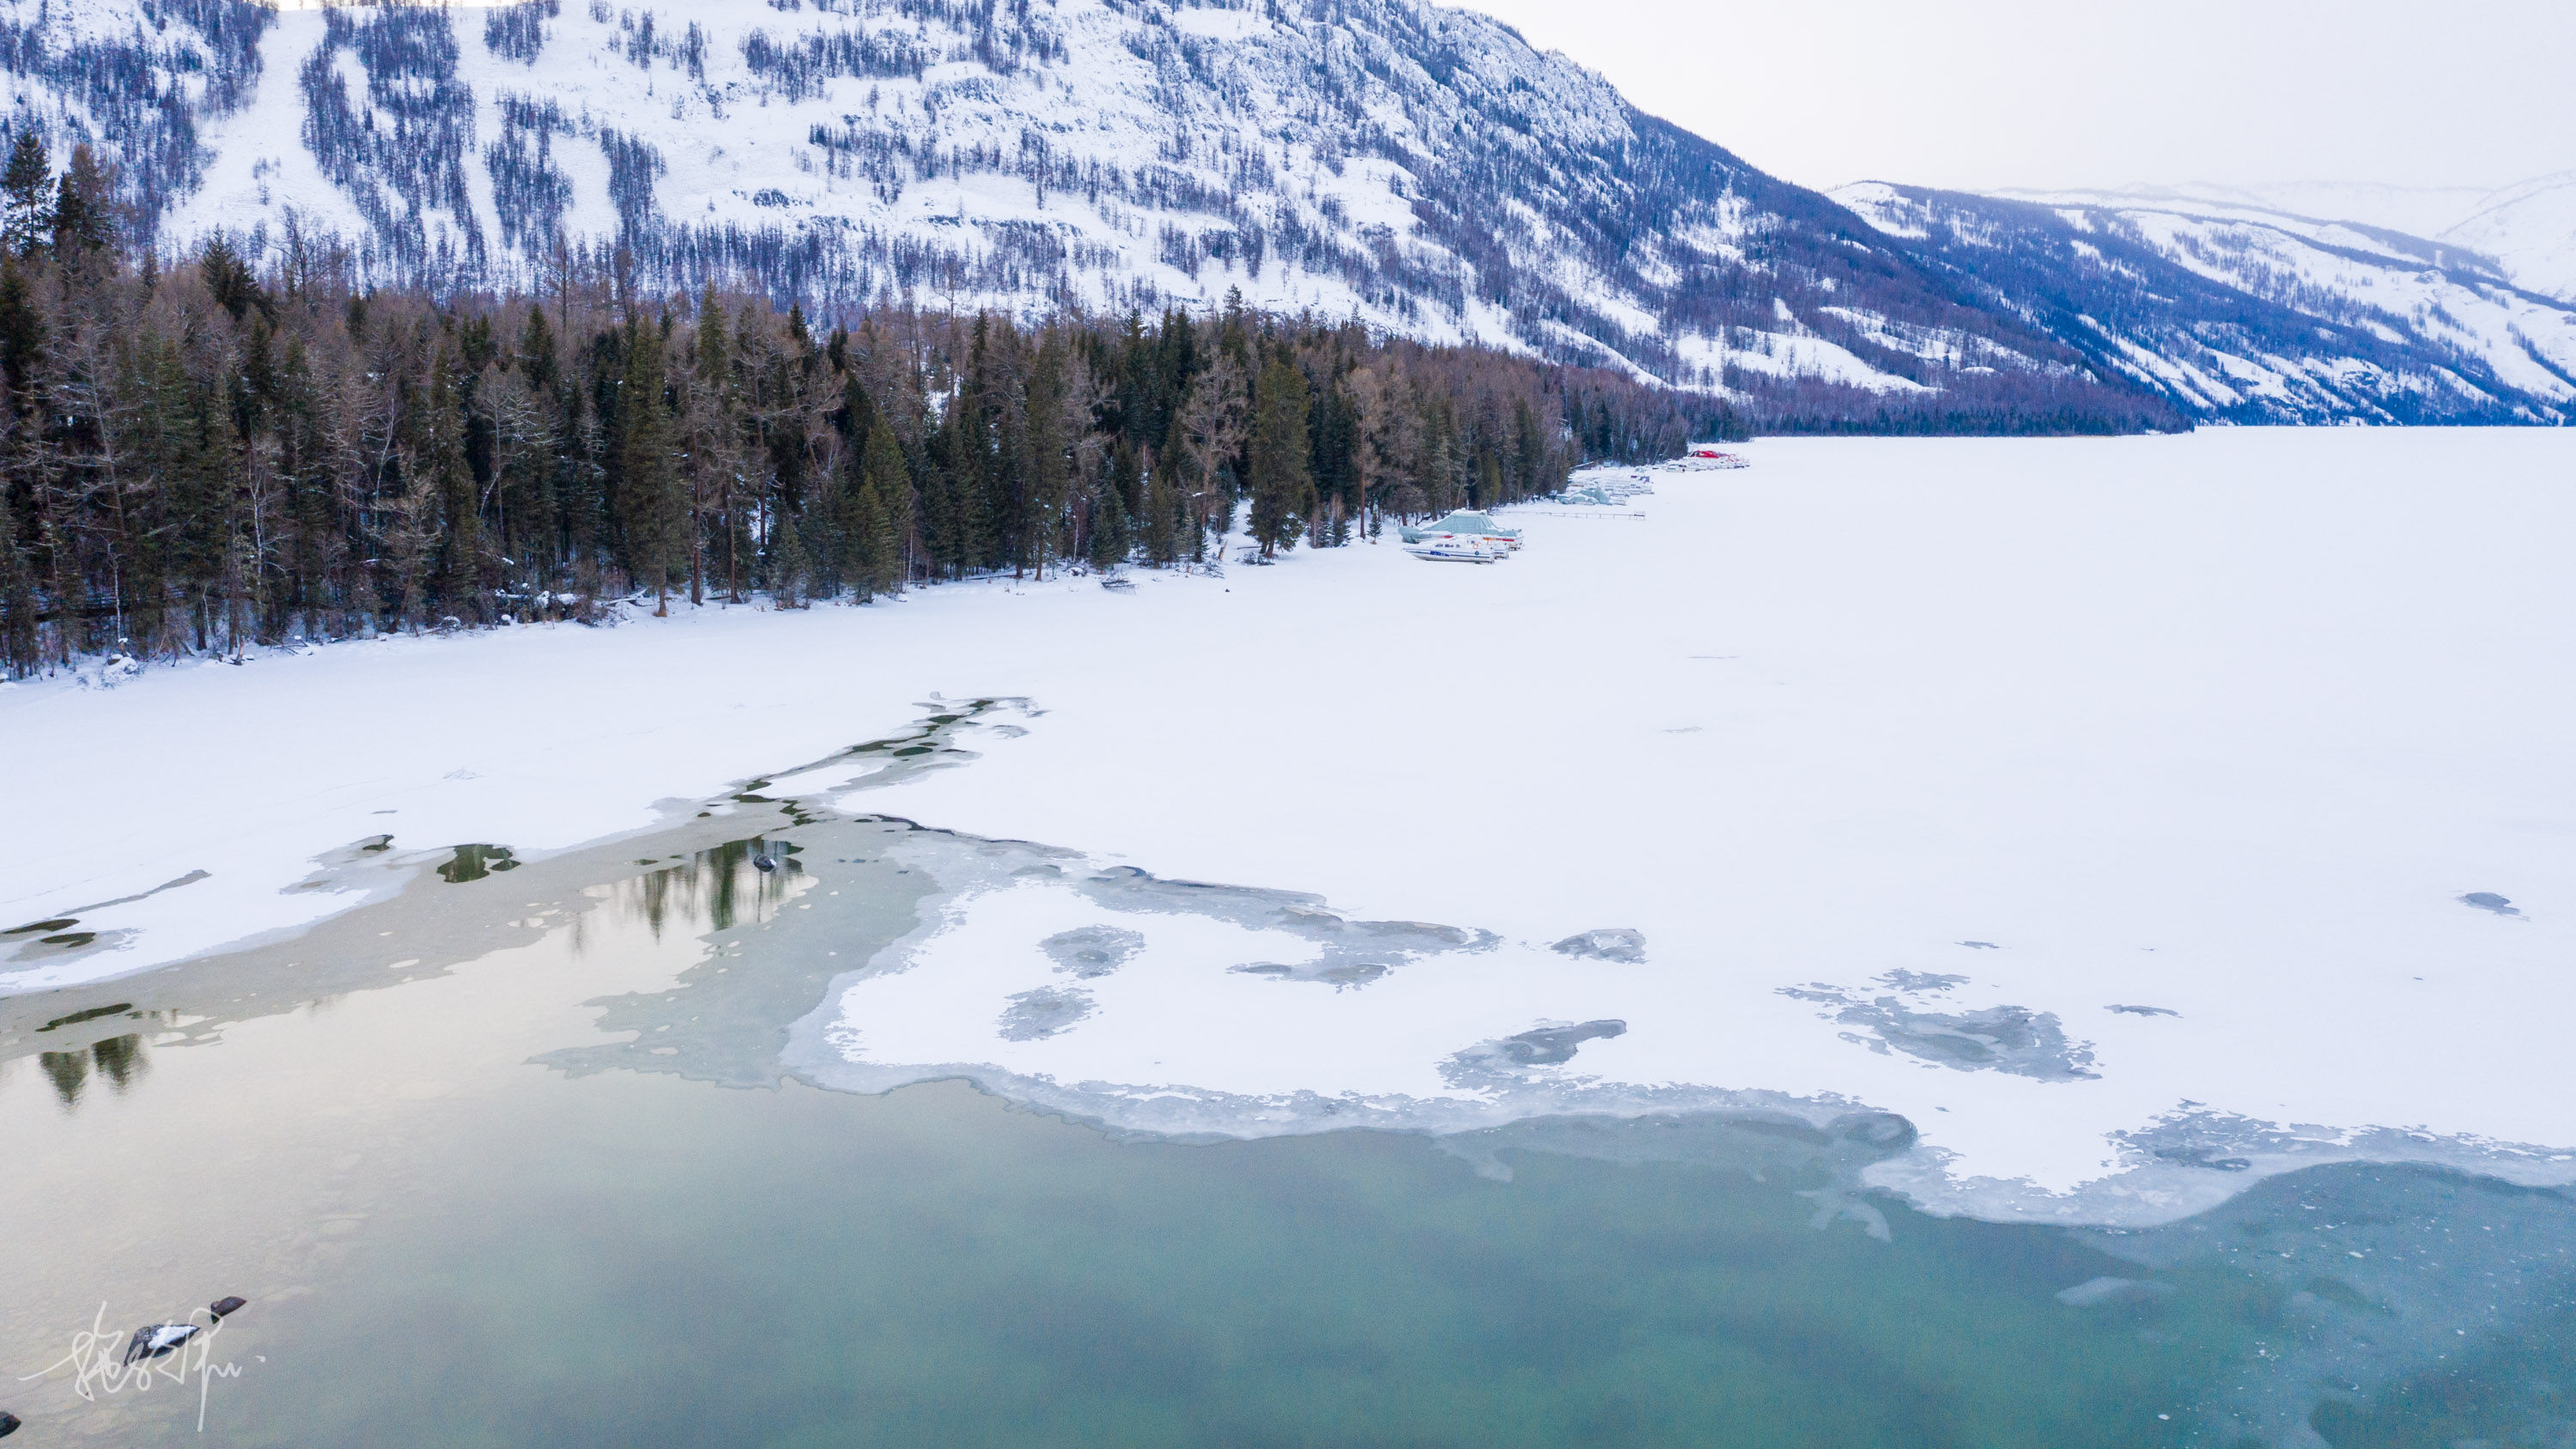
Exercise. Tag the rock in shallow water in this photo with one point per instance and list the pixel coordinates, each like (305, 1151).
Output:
(155, 1340)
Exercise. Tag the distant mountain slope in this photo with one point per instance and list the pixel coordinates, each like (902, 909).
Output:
(2527, 229)
(2530, 230)
(2237, 312)
(1419, 168)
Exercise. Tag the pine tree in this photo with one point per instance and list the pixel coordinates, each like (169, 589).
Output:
(26, 196)
(652, 512)
(1282, 489)
(438, 446)
(1049, 451)
(1164, 516)
(885, 491)
(1111, 530)
(788, 564)
(18, 606)
(22, 332)
(84, 211)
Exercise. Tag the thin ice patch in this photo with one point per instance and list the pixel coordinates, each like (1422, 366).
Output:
(1091, 951)
(1549, 1044)
(1037, 1015)
(1617, 943)
(2011, 1039)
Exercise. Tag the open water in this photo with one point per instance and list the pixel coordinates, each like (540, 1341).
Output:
(507, 1161)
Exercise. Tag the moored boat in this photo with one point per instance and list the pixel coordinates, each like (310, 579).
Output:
(1464, 524)
(1457, 550)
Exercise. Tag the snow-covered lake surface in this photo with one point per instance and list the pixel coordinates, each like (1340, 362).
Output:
(2134, 817)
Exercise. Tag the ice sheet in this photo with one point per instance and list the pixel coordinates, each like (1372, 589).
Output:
(2224, 726)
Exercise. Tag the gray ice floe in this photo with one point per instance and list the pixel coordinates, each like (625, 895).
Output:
(1549, 1044)
(1618, 943)
(1090, 951)
(1353, 954)
(2012, 1039)
(1922, 981)
(2490, 902)
(1037, 1015)
(2144, 1010)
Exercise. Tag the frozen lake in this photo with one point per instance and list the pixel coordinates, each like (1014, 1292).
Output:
(2107, 809)
(2033, 863)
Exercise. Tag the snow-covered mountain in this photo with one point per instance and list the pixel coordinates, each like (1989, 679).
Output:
(2530, 229)
(2235, 310)
(2527, 229)
(1418, 168)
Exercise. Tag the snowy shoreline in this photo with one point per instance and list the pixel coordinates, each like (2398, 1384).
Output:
(2204, 737)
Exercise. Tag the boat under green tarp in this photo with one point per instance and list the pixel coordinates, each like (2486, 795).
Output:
(1462, 524)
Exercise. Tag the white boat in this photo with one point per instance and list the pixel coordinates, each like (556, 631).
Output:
(1457, 550)
(1463, 525)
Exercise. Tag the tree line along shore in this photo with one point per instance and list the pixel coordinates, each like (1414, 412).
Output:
(205, 453)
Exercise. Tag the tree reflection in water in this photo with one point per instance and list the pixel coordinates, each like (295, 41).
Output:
(711, 890)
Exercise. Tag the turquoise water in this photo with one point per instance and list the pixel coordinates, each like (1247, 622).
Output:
(449, 1238)
(932, 1268)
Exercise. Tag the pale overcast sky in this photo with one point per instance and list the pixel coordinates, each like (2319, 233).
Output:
(1997, 93)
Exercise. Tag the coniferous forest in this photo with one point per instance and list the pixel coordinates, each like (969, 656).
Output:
(201, 454)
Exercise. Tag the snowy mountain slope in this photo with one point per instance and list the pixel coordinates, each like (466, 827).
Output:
(2239, 312)
(2424, 211)
(1417, 168)
(2528, 230)
(1420, 168)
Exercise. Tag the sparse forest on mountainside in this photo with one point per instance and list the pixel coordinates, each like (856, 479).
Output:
(203, 455)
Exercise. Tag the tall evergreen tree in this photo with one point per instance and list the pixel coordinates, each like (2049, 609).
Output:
(26, 196)
(885, 490)
(84, 210)
(789, 564)
(19, 644)
(652, 512)
(1165, 514)
(1112, 530)
(1282, 488)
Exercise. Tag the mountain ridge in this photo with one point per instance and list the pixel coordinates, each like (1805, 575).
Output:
(2251, 315)
(1417, 168)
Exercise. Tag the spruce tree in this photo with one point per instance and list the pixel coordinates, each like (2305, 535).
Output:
(22, 332)
(651, 510)
(1282, 489)
(885, 493)
(1164, 516)
(26, 196)
(788, 564)
(1110, 527)
(17, 600)
(84, 210)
